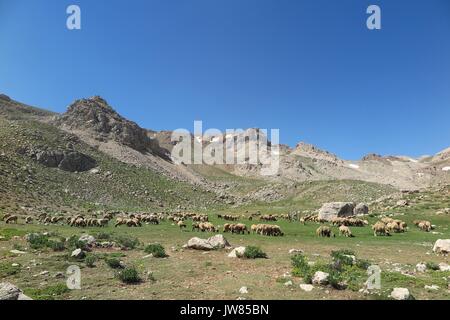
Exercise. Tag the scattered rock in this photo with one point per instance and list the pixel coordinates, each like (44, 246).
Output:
(400, 294)
(444, 266)
(421, 267)
(288, 283)
(336, 209)
(78, 254)
(432, 287)
(88, 239)
(237, 252)
(215, 242)
(306, 287)
(402, 203)
(9, 291)
(442, 246)
(243, 290)
(320, 278)
(295, 251)
(17, 251)
(361, 209)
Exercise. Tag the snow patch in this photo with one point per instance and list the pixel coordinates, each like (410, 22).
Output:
(446, 169)
(353, 166)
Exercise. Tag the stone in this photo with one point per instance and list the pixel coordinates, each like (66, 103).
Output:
(288, 283)
(444, 266)
(88, 239)
(215, 242)
(336, 209)
(400, 294)
(442, 246)
(17, 251)
(295, 251)
(243, 290)
(78, 254)
(320, 278)
(361, 209)
(306, 287)
(421, 267)
(9, 291)
(432, 287)
(237, 252)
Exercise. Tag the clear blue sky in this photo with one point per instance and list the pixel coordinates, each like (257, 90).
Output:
(310, 68)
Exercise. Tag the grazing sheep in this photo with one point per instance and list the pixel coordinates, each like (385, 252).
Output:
(6, 216)
(11, 219)
(345, 231)
(324, 231)
(28, 220)
(423, 225)
(181, 224)
(379, 228)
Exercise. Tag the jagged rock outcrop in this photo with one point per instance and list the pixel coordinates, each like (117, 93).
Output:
(67, 160)
(336, 209)
(96, 117)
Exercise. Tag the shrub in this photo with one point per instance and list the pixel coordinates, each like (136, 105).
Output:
(252, 252)
(114, 263)
(57, 245)
(74, 242)
(127, 242)
(432, 266)
(156, 250)
(48, 293)
(38, 241)
(363, 264)
(90, 260)
(129, 275)
(343, 257)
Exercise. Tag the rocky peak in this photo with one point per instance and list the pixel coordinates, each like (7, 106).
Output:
(96, 117)
(311, 151)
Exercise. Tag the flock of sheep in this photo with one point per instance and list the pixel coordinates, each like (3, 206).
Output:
(200, 222)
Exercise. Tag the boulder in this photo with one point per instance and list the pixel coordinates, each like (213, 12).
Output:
(88, 239)
(320, 278)
(306, 287)
(9, 291)
(336, 209)
(243, 290)
(421, 267)
(237, 252)
(78, 254)
(400, 294)
(67, 160)
(444, 266)
(361, 209)
(215, 242)
(442, 246)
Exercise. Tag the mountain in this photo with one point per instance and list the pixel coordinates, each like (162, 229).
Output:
(92, 157)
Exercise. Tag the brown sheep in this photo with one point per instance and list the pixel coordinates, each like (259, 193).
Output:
(345, 231)
(379, 228)
(324, 231)
(11, 219)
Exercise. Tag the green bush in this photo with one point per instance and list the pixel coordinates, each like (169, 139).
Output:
(432, 266)
(48, 293)
(156, 250)
(343, 257)
(57, 245)
(38, 241)
(129, 275)
(90, 260)
(252, 252)
(114, 263)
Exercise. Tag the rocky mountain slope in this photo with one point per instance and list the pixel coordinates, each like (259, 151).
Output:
(90, 155)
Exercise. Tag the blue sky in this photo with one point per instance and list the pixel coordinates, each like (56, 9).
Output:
(308, 67)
